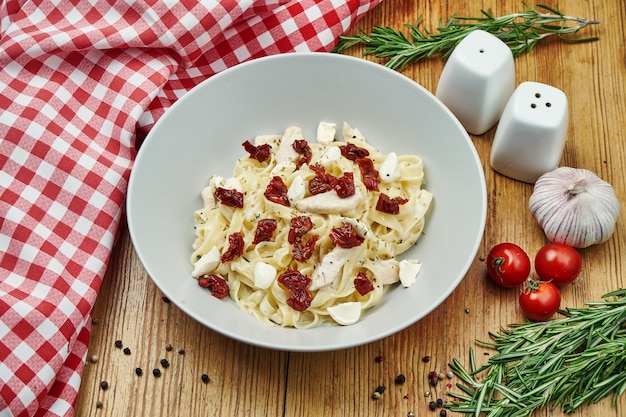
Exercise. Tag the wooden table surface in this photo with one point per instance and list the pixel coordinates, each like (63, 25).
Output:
(252, 381)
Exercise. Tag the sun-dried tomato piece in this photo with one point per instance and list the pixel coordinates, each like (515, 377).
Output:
(299, 300)
(264, 230)
(369, 174)
(302, 147)
(216, 284)
(293, 280)
(363, 284)
(260, 152)
(229, 197)
(344, 185)
(345, 236)
(235, 247)
(276, 191)
(296, 283)
(322, 182)
(302, 251)
(389, 205)
(298, 227)
(352, 152)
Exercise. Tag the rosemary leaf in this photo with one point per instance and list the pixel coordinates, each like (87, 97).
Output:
(567, 362)
(519, 31)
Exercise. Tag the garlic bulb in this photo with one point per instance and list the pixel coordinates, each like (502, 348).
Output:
(574, 206)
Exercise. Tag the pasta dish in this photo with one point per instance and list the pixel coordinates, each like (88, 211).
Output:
(309, 232)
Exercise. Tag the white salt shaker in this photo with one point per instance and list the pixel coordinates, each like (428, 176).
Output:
(530, 136)
(477, 80)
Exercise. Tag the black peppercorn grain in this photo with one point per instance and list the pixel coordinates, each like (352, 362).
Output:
(139, 371)
(104, 385)
(156, 372)
(126, 351)
(165, 363)
(400, 379)
(205, 378)
(118, 344)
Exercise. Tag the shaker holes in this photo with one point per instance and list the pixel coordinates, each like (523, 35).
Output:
(534, 105)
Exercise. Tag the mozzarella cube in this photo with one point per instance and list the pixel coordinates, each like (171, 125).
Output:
(296, 190)
(207, 263)
(264, 275)
(346, 313)
(409, 269)
(390, 169)
(326, 132)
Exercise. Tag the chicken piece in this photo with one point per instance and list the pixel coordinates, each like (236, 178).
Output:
(329, 203)
(330, 267)
(286, 153)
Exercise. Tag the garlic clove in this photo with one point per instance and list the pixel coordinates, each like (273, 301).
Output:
(574, 206)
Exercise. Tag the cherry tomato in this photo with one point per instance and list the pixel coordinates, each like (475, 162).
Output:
(558, 263)
(540, 300)
(508, 265)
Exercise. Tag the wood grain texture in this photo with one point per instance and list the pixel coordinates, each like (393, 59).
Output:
(251, 381)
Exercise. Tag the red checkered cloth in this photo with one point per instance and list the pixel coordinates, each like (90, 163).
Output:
(80, 81)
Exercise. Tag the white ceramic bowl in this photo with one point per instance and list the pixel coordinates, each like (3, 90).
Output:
(202, 133)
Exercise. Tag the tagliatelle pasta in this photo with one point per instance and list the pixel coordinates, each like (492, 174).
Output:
(307, 232)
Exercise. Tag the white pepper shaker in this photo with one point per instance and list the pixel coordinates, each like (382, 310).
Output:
(530, 136)
(477, 80)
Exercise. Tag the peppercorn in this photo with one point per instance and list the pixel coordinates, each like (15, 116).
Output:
(181, 351)
(379, 358)
(126, 351)
(205, 378)
(376, 395)
(156, 372)
(380, 389)
(118, 344)
(439, 402)
(426, 359)
(410, 414)
(400, 379)
(95, 321)
(93, 358)
(139, 371)
(98, 404)
(432, 405)
(104, 385)
(443, 413)
(165, 363)
(169, 348)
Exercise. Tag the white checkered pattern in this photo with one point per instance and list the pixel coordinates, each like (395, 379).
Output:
(80, 84)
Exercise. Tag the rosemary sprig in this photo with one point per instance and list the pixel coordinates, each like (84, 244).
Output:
(568, 362)
(520, 31)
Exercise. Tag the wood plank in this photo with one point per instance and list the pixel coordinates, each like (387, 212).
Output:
(246, 380)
